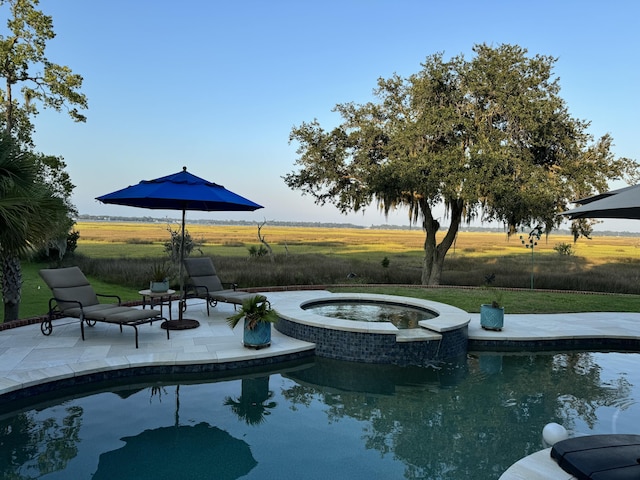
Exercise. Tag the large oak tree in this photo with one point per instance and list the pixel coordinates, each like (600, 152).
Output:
(489, 138)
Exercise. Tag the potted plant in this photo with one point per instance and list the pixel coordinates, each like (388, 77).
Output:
(492, 314)
(159, 278)
(258, 317)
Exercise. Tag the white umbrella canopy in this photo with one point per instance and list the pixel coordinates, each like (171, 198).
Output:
(623, 203)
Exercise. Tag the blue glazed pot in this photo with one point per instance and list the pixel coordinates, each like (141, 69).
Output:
(257, 337)
(491, 318)
(159, 287)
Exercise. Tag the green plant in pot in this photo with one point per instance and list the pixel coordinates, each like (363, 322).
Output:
(258, 317)
(492, 314)
(160, 273)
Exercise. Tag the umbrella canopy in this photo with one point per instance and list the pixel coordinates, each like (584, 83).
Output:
(193, 452)
(180, 191)
(600, 196)
(623, 203)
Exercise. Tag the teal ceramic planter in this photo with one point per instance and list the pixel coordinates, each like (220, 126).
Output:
(491, 318)
(159, 287)
(257, 337)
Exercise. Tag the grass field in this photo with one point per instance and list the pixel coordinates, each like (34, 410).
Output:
(144, 239)
(307, 255)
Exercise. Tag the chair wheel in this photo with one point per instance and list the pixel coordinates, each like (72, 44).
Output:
(46, 327)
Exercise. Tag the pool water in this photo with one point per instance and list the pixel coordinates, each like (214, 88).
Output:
(402, 316)
(469, 419)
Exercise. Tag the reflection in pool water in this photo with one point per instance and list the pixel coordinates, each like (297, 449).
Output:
(402, 316)
(327, 419)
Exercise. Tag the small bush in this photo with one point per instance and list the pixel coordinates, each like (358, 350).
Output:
(233, 243)
(564, 249)
(72, 241)
(138, 241)
(55, 252)
(260, 251)
(173, 246)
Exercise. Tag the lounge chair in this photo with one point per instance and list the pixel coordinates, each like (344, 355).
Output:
(73, 296)
(204, 283)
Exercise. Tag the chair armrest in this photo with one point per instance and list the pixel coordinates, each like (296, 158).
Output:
(232, 285)
(53, 308)
(197, 289)
(110, 296)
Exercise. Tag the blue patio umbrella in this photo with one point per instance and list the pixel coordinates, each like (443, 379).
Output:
(180, 191)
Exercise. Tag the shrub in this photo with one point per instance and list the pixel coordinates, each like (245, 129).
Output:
(138, 241)
(172, 247)
(58, 249)
(564, 249)
(260, 251)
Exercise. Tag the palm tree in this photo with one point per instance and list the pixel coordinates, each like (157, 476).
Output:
(30, 215)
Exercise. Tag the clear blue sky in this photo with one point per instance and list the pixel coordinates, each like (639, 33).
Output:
(218, 85)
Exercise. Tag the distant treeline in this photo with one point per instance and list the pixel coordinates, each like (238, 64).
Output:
(108, 218)
(465, 228)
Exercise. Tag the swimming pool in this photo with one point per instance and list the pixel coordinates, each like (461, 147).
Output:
(325, 418)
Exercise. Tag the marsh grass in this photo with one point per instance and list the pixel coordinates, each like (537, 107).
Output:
(138, 241)
(309, 269)
(354, 257)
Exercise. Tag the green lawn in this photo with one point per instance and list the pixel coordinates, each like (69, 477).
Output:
(516, 301)
(35, 296)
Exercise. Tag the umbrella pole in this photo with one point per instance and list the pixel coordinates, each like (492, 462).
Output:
(182, 292)
(181, 323)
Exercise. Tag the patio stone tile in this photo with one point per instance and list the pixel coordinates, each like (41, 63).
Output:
(37, 376)
(188, 358)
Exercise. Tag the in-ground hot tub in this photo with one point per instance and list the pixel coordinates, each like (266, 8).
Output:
(441, 337)
(401, 316)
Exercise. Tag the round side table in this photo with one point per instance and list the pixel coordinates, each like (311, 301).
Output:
(157, 298)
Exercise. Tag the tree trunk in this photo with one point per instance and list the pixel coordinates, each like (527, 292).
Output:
(264, 241)
(11, 287)
(434, 255)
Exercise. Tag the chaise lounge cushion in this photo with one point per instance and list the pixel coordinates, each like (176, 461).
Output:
(69, 284)
(74, 296)
(121, 314)
(92, 312)
(235, 297)
(203, 273)
(205, 283)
